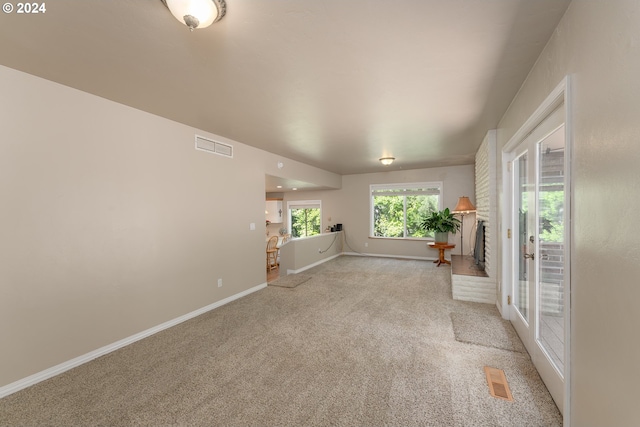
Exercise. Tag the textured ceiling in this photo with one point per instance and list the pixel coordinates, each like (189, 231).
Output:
(334, 84)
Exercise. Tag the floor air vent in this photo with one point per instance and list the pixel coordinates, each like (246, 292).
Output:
(498, 386)
(215, 147)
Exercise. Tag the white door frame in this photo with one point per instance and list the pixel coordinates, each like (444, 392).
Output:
(561, 94)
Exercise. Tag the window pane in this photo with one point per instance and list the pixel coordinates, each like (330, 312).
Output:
(399, 209)
(521, 290)
(305, 222)
(418, 207)
(550, 267)
(388, 216)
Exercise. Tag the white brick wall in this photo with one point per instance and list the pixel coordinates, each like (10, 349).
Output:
(482, 196)
(473, 288)
(486, 200)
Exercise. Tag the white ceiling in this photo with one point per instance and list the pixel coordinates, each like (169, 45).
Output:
(334, 84)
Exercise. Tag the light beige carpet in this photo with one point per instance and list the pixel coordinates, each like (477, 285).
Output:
(488, 330)
(366, 342)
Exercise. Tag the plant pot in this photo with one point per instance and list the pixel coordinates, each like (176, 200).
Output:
(441, 237)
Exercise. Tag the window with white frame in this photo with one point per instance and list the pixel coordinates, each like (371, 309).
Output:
(397, 210)
(304, 218)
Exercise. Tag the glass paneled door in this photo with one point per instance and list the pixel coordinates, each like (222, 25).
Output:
(539, 249)
(522, 231)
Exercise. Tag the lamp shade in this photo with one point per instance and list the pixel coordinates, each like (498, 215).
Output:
(196, 13)
(464, 205)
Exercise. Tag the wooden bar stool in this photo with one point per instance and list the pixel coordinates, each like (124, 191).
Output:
(272, 253)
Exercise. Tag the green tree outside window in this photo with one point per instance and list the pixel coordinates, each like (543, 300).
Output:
(398, 212)
(305, 222)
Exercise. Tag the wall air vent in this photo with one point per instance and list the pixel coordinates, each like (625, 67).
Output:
(215, 147)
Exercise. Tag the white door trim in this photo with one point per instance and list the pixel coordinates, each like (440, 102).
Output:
(561, 94)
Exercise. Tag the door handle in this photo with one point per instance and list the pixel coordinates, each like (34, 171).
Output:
(530, 256)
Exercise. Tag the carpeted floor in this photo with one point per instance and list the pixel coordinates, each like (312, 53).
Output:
(488, 330)
(291, 281)
(363, 342)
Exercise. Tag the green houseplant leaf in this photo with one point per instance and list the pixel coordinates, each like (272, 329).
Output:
(441, 221)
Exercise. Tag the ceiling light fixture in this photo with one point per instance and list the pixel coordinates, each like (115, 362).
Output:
(387, 160)
(196, 13)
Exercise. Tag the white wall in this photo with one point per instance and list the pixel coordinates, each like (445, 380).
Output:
(597, 43)
(350, 206)
(299, 255)
(112, 223)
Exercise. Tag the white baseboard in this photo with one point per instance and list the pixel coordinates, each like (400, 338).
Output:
(499, 306)
(300, 270)
(306, 267)
(70, 364)
(419, 258)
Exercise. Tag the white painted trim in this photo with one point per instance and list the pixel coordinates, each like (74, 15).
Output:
(315, 236)
(322, 261)
(419, 258)
(570, 247)
(494, 231)
(307, 267)
(439, 184)
(555, 98)
(506, 223)
(561, 94)
(499, 307)
(310, 204)
(70, 364)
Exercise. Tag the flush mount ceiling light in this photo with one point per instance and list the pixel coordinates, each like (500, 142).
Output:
(387, 160)
(196, 13)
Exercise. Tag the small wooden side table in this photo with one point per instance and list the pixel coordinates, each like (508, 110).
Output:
(441, 247)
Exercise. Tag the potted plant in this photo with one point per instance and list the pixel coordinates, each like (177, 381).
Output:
(441, 223)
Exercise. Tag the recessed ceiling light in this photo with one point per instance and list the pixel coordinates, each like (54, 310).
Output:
(279, 186)
(294, 188)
